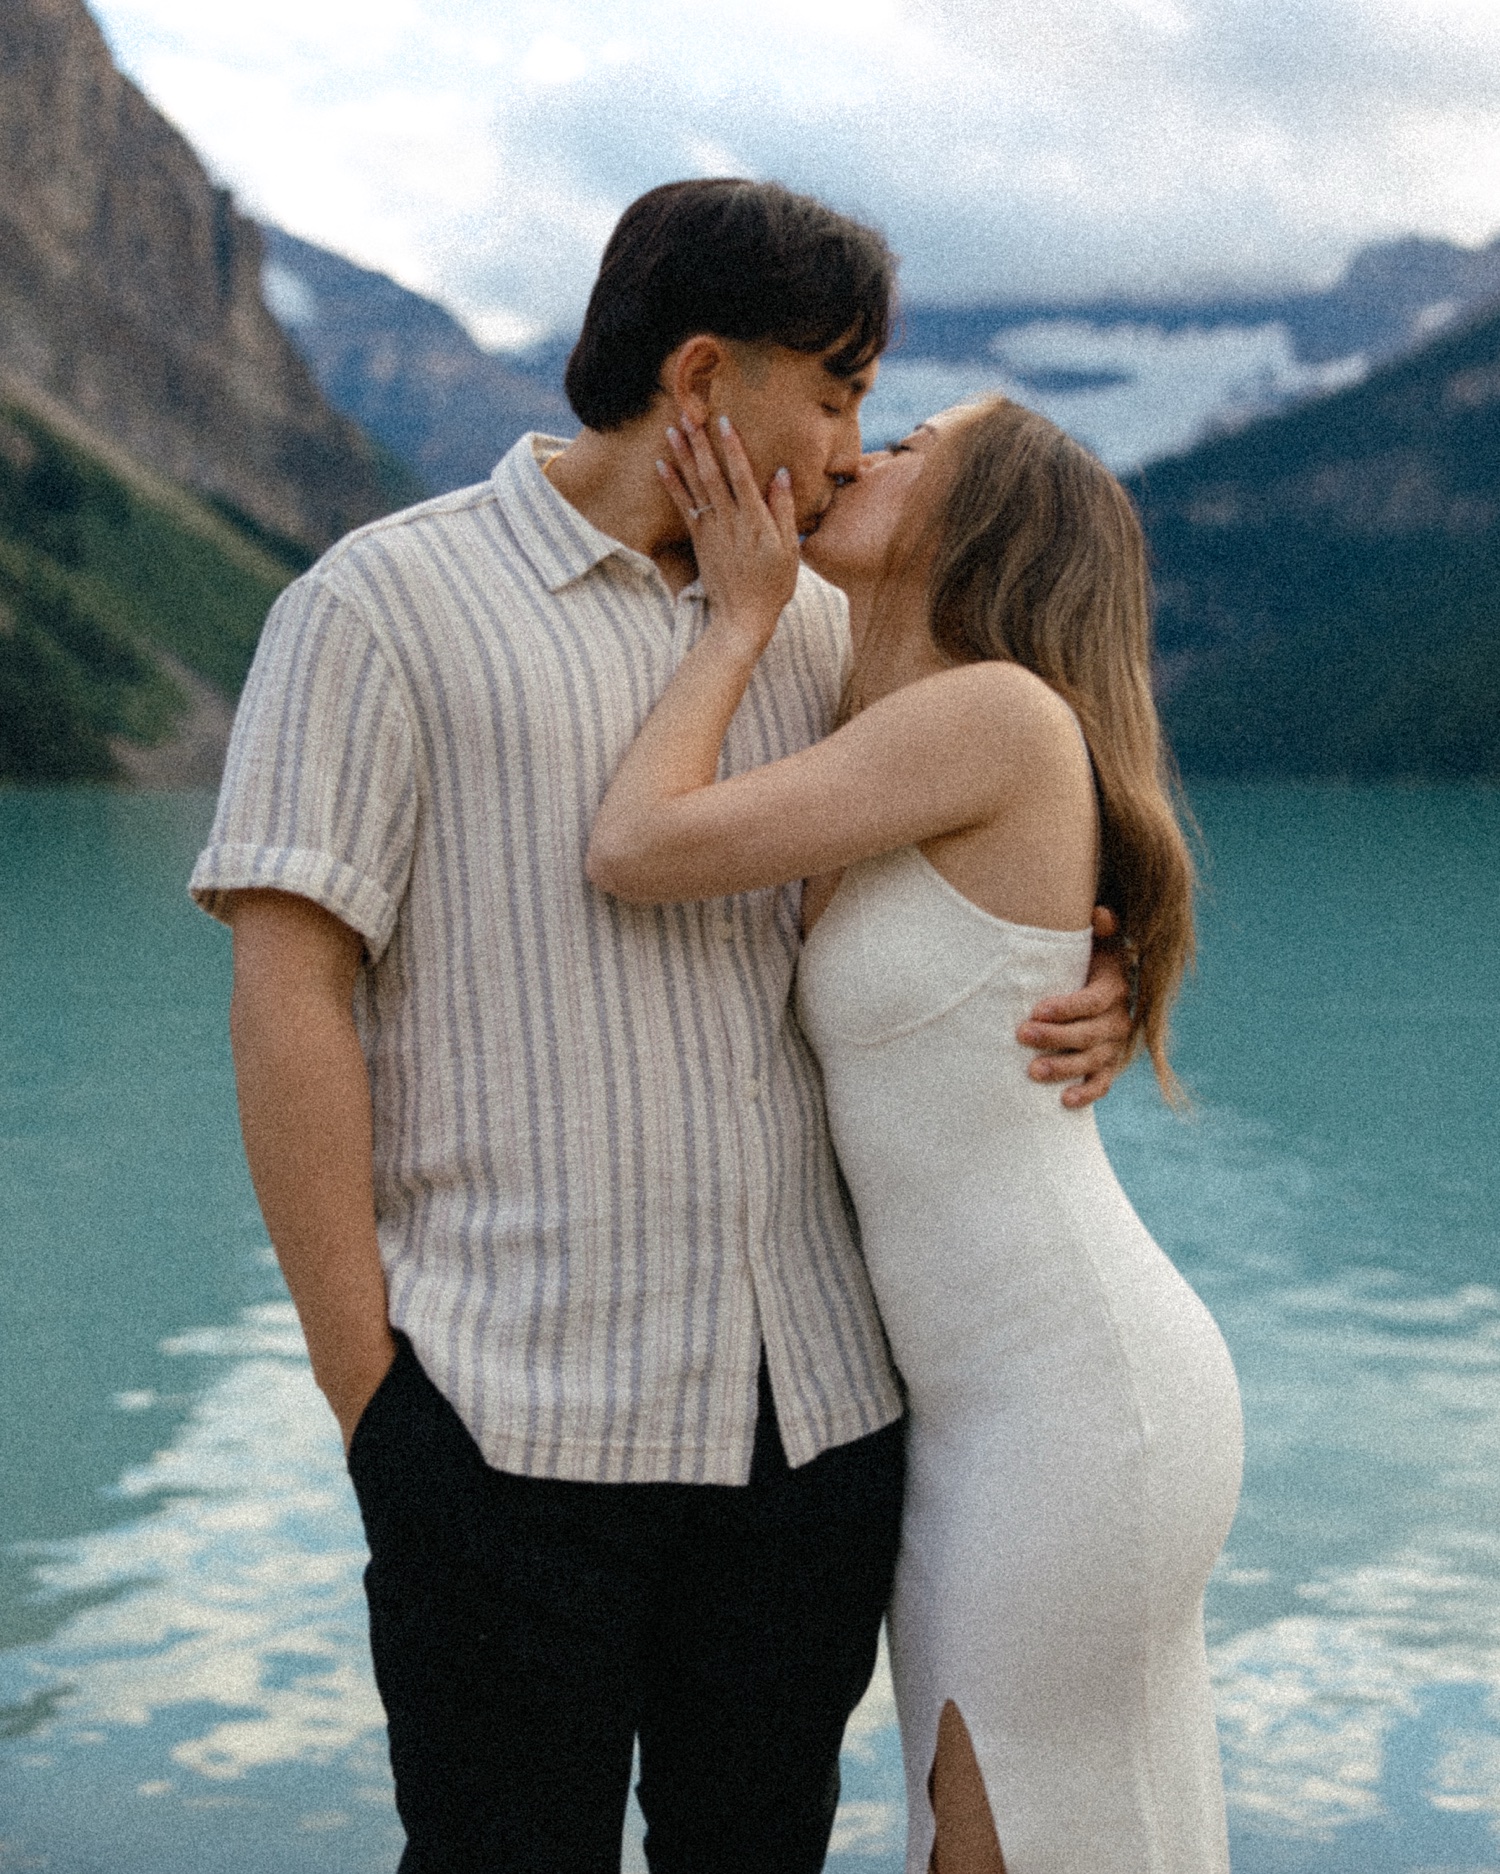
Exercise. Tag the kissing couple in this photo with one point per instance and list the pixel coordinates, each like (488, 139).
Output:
(599, 864)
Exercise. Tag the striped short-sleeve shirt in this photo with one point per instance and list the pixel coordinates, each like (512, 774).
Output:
(602, 1169)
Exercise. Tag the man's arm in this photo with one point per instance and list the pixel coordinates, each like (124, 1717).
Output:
(1083, 1037)
(305, 1114)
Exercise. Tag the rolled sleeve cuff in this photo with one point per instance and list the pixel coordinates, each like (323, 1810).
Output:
(353, 898)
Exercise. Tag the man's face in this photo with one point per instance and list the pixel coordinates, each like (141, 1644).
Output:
(792, 412)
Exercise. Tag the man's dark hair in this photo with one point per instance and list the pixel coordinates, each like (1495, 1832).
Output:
(740, 260)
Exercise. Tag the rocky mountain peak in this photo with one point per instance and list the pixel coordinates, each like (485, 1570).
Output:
(130, 291)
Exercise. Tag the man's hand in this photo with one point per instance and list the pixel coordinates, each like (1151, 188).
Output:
(1082, 1037)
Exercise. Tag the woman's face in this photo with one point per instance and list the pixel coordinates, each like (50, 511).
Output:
(860, 536)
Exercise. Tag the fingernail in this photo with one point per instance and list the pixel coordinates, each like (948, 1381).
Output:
(723, 425)
(784, 477)
(685, 420)
(661, 467)
(672, 436)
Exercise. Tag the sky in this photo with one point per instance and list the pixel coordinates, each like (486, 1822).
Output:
(480, 151)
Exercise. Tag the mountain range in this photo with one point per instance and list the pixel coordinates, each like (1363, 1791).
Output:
(1329, 578)
(1134, 379)
(1328, 573)
(1390, 296)
(130, 292)
(192, 407)
(404, 368)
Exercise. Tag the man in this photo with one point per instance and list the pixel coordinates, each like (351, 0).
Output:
(548, 1175)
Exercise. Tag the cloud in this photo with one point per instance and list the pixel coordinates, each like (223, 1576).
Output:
(1131, 145)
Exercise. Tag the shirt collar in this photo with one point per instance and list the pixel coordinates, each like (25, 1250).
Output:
(555, 537)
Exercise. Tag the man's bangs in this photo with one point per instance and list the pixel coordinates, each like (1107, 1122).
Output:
(863, 342)
(848, 348)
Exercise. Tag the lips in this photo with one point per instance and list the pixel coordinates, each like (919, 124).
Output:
(812, 526)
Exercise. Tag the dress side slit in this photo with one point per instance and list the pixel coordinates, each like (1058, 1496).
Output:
(966, 1842)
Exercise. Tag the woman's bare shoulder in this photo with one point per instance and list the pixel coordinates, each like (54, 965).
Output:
(998, 696)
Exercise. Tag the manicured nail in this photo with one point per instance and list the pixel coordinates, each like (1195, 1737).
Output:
(724, 426)
(672, 436)
(784, 477)
(685, 420)
(661, 467)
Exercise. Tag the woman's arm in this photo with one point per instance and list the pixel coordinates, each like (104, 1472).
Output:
(923, 761)
(935, 757)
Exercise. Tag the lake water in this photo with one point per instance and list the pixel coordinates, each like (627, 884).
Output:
(183, 1683)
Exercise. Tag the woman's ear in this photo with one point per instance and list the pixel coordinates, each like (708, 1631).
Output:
(689, 376)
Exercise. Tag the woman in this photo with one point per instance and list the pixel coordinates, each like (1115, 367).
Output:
(1074, 1429)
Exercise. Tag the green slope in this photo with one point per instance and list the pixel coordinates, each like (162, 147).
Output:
(102, 565)
(1330, 579)
(1361, 659)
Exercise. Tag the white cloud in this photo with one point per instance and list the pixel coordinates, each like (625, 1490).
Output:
(482, 154)
(553, 61)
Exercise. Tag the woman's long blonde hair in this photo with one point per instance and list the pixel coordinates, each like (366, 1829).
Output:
(1039, 559)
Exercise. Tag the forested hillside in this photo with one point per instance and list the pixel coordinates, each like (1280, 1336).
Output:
(1329, 578)
(117, 591)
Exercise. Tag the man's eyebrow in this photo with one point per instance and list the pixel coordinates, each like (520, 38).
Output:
(858, 383)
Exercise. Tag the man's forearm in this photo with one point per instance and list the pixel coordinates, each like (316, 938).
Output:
(305, 1112)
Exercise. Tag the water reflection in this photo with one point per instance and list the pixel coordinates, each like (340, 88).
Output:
(225, 1626)
(241, 1591)
(1355, 1618)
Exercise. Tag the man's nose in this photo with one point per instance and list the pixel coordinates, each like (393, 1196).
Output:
(846, 461)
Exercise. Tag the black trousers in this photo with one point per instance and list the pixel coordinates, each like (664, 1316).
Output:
(526, 1631)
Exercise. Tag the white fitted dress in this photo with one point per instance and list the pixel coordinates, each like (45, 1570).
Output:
(1075, 1436)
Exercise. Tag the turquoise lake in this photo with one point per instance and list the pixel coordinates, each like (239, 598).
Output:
(183, 1682)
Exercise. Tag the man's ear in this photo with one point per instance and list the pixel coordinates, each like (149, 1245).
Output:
(689, 375)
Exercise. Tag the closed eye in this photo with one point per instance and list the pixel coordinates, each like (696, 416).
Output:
(898, 448)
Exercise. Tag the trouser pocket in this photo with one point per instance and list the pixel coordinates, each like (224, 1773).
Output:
(373, 1405)
(414, 1465)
